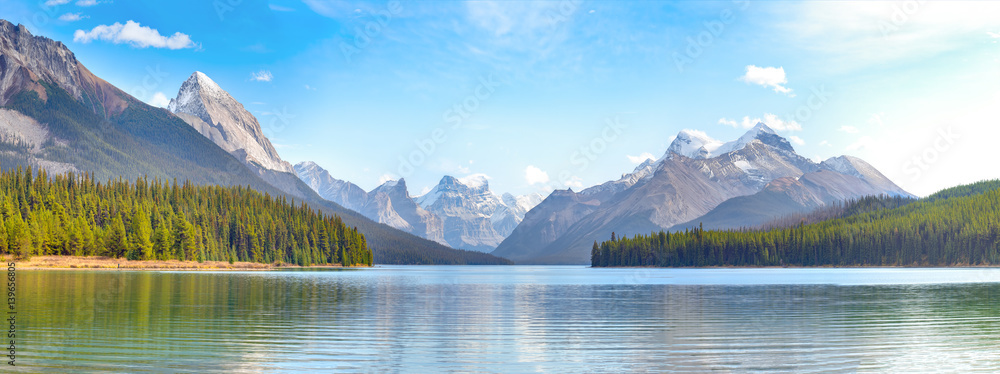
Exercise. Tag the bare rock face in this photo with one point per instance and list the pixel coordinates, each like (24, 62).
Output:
(475, 218)
(218, 116)
(27, 60)
(461, 213)
(391, 204)
(695, 176)
(347, 194)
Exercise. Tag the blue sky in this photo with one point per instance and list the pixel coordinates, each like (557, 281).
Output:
(543, 95)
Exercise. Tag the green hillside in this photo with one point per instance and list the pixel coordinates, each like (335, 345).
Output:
(955, 227)
(148, 142)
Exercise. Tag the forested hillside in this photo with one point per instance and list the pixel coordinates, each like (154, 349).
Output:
(955, 227)
(147, 142)
(150, 219)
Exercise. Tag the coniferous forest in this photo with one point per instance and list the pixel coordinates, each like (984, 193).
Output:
(155, 220)
(955, 227)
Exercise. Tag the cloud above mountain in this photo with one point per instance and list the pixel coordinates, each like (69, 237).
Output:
(134, 34)
(770, 77)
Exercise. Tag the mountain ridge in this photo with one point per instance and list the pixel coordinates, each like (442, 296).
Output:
(696, 175)
(82, 123)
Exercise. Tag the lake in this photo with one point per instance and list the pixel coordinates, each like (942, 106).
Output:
(548, 319)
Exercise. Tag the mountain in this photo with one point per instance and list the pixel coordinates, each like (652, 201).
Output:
(466, 208)
(218, 116)
(347, 194)
(211, 110)
(786, 196)
(59, 116)
(391, 204)
(956, 227)
(695, 176)
(461, 213)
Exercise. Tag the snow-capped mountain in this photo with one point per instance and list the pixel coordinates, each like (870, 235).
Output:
(391, 204)
(474, 218)
(695, 176)
(459, 212)
(218, 116)
(347, 194)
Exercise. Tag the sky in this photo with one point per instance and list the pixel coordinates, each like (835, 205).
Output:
(536, 96)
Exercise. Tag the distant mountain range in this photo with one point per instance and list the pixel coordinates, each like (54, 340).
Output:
(700, 180)
(56, 114)
(461, 213)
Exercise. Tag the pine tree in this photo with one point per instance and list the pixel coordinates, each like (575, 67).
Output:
(140, 245)
(116, 243)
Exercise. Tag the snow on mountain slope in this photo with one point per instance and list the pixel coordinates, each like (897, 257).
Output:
(696, 174)
(226, 122)
(347, 194)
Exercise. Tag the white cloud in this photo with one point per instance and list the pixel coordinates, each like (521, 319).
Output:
(387, 177)
(70, 17)
(729, 122)
(534, 175)
(994, 35)
(768, 77)
(849, 129)
(770, 119)
(86, 3)
(575, 182)
(641, 158)
(796, 140)
(279, 8)
(134, 34)
(261, 76)
(159, 100)
(825, 143)
(50, 3)
(310, 88)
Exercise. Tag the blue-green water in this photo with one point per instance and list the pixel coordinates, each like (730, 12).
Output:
(511, 319)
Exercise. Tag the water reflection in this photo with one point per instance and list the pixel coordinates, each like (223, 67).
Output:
(503, 319)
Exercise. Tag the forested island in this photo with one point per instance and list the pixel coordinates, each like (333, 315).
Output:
(76, 215)
(955, 227)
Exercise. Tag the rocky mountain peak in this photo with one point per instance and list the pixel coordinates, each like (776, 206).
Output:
(698, 145)
(26, 60)
(211, 110)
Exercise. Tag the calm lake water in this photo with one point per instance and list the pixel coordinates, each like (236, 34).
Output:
(511, 319)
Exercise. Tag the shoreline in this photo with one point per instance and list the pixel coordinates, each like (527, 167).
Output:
(109, 263)
(805, 267)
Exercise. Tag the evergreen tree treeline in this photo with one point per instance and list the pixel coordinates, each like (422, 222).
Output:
(154, 220)
(959, 226)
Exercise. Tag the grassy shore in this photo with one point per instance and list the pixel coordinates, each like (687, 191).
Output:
(108, 263)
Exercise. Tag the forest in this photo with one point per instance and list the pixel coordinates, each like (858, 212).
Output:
(955, 227)
(147, 142)
(146, 219)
